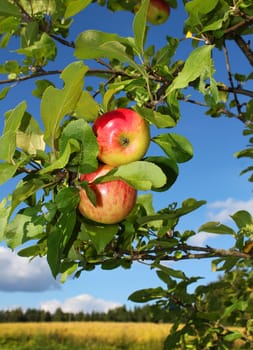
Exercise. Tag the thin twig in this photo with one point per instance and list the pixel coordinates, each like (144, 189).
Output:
(247, 21)
(230, 78)
(63, 41)
(245, 48)
(189, 253)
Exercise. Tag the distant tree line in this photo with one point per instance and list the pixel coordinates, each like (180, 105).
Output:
(213, 298)
(147, 313)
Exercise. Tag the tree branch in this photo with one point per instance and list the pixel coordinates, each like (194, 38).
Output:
(245, 48)
(248, 20)
(230, 78)
(63, 41)
(189, 252)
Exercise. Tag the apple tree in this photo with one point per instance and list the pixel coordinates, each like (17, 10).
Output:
(43, 155)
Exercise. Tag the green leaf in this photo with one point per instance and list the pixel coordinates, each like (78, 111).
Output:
(67, 199)
(141, 175)
(242, 218)
(7, 9)
(197, 64)
(75, 6)
(169, 168)
(22, 229)
(93, 44)
(146, 200)
(176, 146)
(206, 16)
(72, 146)
(156, 118)
(230, 337)
(171, 272)
(8, 138)
(29, 137)
(29, 34)
(89, 44)
(216, 227)
(164, 54)
(27, 188)
(30, 143)
(87, 108)
(67, 269)
(58, 239)
(111, 264)
(236, 304)
(7, 171)
(189, 205)
(139, 26)
(42, 49)
(4, 216)
(41, 86)
(56, 104)
(145, 295)
(34, 250)
(224, 264)
(86, 156)
(100, 235)
(39, 6)
(4, 92)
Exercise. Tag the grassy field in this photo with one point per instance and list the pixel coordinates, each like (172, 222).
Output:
(82, 336)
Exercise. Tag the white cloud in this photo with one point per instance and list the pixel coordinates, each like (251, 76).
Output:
(221, 210)
(201, 238)
(83, 302)
(22, 274)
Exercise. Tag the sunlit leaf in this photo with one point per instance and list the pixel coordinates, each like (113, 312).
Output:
(75, 6)
(7, 171)
(22, 229)
(169, 168)
(4, 92)
(56, 104)
(100, 235)
(139, 26)
(87, 108)
(4, 216)
(85, 158)
(72, 146)
(141, 175)
(145, 295)
(58, 239)
(198, 62)
(93, 44)
(170, 272)
(156, 118)
(8, 138)
(67, 199)
(217, 227)
(43, 48)
(242, 218)
(176, 146)
(9, 9)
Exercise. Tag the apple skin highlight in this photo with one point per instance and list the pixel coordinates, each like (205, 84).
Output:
(123, 136)
(114, 199)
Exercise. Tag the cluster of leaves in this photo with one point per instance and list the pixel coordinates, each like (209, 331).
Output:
(207, 313)
(44, 156)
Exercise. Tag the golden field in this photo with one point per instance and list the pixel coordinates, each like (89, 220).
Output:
(92, 335)
(107, 331)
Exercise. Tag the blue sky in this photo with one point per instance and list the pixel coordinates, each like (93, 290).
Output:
(213, 175)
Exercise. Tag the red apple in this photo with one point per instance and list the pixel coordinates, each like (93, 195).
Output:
(123, 136)
(158, 11)
(114, 199)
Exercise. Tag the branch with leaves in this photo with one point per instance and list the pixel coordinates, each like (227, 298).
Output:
(45, 154)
